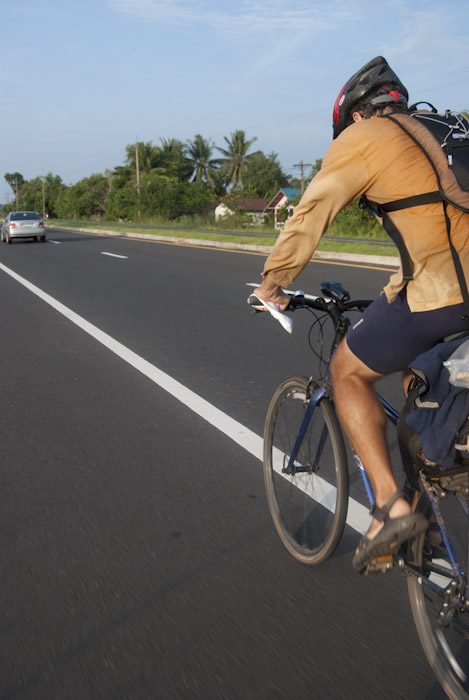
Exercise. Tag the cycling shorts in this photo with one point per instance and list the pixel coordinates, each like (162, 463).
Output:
(389, 336)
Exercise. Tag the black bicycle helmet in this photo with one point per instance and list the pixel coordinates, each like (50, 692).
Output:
(366, 83)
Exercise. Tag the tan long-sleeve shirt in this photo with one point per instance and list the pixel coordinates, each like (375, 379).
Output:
(375, 157)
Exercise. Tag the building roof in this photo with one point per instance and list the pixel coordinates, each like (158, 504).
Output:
(252, 204)
(288, 192)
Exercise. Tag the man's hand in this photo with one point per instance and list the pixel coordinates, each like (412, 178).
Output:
(273, 293)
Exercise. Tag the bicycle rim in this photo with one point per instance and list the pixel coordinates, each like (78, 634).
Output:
(442, 619)
(309, 508)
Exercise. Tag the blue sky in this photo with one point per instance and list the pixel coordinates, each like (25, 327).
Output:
(81, 79)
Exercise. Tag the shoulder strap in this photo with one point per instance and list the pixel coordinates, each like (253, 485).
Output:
(414, 201)
(393, 232)
(449, 191)
(457, 264)
(419, 126)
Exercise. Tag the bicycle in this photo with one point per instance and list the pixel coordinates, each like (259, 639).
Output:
(307, 487)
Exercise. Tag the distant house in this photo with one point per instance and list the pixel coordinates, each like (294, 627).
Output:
(99, 213)
(222, 211)
(279, 200)
(254, 207)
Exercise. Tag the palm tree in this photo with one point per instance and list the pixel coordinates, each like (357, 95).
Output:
(236, 157)
(148, 156)
(199, 154)
(173, 159)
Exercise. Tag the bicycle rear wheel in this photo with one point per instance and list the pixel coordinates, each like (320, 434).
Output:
(442, 617)
(308, 507)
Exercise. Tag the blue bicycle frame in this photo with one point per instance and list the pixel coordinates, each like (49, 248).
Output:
(317, 396)
(323, 392)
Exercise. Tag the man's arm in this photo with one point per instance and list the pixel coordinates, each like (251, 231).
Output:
(341, 179)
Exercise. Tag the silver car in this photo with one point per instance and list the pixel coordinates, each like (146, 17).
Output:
(23, 224)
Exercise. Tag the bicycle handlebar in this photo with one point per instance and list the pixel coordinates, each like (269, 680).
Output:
(330, 305)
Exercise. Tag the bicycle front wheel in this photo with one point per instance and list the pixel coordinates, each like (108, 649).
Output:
(441, 611)
(309, 505)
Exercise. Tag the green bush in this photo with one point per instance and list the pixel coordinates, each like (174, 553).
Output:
(353, 222)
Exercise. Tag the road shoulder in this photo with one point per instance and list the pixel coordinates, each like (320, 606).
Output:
(381, 260)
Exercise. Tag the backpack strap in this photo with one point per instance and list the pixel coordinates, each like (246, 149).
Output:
(415, 201)
(393, 232)
(430, 142)
(457, 263)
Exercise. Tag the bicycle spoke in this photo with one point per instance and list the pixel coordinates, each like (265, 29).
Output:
(307, 498)
(442, 619)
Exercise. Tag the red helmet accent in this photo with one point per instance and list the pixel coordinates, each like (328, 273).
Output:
(335, 113)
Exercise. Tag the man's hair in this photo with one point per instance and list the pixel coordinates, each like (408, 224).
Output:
(367, 110)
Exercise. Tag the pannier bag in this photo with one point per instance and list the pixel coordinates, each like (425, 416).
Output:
(433, 427)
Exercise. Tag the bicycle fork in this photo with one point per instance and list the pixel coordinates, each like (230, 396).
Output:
(312, 402)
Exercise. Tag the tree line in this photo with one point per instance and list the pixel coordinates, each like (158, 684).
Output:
(169, 181)
(165, 181)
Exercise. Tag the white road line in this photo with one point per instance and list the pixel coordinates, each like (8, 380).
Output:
(114, 255)
(49, 240)
(358, 517)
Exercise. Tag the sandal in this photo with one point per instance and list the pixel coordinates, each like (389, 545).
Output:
(392, 535)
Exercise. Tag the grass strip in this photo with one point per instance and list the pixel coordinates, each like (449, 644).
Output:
(361, 246)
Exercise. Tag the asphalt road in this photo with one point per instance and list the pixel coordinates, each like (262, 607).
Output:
(138, 556)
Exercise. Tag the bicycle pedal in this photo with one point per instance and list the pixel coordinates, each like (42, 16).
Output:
(382, 564)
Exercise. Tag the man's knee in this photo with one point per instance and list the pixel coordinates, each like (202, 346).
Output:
(347, 366)
(343, 361)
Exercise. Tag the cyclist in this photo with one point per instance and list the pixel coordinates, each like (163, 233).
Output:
(375, 157)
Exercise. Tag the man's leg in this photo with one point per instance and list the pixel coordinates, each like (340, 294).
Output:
(363, 419)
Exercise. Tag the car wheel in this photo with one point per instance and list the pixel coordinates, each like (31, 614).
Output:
(43, 239)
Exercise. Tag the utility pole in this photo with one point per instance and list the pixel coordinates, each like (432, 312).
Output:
(137, 167)
(43, 199)
(302, 166)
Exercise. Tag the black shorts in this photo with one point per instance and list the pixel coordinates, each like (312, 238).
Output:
(388, 337)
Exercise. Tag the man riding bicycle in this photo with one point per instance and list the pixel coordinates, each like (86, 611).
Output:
(376, 157)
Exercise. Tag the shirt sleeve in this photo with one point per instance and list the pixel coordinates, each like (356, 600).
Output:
(342, 178)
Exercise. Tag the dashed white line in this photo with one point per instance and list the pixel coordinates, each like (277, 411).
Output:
(357, 518)
(114, 255)
(49, 240)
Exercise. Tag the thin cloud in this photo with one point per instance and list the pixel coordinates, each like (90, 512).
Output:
(430, 35)
(251, 17)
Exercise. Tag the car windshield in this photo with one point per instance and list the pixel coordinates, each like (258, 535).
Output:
(21, 215)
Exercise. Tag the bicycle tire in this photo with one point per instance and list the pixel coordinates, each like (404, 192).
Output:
(309, 509)
(445, 641)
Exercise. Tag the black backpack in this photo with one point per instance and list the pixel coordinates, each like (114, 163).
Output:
(444, 139)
